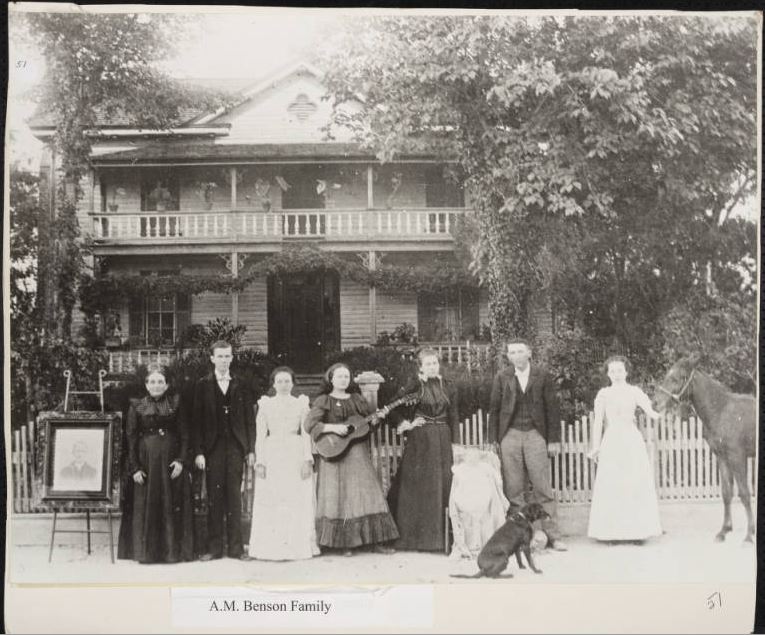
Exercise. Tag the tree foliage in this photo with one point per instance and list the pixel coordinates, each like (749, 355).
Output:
(97, 65)
(601, 152)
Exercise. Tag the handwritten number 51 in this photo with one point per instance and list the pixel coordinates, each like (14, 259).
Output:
(714, 601)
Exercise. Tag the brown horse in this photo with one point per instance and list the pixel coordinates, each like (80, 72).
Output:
(729, 427)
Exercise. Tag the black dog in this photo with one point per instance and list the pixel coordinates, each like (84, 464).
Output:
(511, 538)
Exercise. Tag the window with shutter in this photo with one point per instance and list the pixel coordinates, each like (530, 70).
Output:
(158, 321)
(448, 316)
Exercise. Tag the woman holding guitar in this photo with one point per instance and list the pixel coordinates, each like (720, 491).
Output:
(420, 490)
(351, 510)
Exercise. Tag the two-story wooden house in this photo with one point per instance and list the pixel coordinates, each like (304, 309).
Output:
(225, 189)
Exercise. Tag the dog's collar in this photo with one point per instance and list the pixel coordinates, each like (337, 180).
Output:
(519, 513)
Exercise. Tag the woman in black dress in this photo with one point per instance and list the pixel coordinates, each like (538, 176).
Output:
(421, 486)
(157, 447)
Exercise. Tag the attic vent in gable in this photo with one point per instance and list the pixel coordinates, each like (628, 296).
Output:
(302, 107)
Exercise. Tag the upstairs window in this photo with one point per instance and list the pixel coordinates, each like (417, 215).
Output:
(303, 188)
(160, 192)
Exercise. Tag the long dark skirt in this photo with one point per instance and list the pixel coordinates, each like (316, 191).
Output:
(351, 510)
(162, 515)
(420, 489)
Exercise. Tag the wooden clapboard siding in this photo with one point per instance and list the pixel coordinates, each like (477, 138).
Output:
(267, 119)
(129, 180)
(209, 306)
(395, 308)
(254, 315)
(354, 314)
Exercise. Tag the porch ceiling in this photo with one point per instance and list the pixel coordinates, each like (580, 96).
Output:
(159, 247)
(208, 152)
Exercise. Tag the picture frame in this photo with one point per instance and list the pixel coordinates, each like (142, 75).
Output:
(78, 458)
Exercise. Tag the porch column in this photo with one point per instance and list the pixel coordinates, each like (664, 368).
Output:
(370, 187)
(233, 187)
(93, 191)
(372, 300)
(369, 381)
(235, 294)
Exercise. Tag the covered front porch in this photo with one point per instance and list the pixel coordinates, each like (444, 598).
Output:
(299, 316)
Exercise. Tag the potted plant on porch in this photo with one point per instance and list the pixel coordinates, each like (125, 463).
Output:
(206, 190)
(117, 191)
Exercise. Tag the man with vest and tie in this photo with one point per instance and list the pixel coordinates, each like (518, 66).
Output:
(79, 470)
(223, 434)
(524, 420)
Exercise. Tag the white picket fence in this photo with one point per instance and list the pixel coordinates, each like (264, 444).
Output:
(684, 467)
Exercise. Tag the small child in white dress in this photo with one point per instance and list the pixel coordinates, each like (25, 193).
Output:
(624, 503)
(477, 504)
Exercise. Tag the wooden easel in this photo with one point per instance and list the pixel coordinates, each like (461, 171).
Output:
(88, 528)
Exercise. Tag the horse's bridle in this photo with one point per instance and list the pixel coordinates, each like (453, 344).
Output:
(676, 396)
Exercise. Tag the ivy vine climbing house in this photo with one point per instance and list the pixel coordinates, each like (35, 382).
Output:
(251, 214)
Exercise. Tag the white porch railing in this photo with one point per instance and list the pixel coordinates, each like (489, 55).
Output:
(334, 224)
(127, 361)
(467, 353)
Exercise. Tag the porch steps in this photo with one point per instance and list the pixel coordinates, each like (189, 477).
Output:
(308, 385)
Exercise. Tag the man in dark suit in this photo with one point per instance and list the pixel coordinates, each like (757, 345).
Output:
(79, 469)
(223, 434)
(524, 420)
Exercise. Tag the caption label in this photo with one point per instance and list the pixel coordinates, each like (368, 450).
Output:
(243, 607)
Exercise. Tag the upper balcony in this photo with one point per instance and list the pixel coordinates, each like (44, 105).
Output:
(258, 207)
(428, 225)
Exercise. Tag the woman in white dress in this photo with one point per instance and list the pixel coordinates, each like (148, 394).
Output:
(624, 503)
(284, 503)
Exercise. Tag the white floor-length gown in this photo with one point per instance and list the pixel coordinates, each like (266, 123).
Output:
(284, 503)
(624, 503)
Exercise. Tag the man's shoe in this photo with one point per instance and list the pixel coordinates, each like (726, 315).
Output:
(245, 558)
(206, 557)
(559, 545)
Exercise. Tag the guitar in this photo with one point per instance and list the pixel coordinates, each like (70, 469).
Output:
(331, 445)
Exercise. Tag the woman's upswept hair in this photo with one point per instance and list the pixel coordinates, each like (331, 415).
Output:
(326, 381)
(281, 369)
(272, 378)
(441, 394)
(427, 352)
(152, 369)
(617, 358)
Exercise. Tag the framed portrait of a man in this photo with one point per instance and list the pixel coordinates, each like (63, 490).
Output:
(78, 458)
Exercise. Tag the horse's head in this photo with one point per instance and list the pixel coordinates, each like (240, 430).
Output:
(675, 384)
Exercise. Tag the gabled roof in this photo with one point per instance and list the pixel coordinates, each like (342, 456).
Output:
(263, 85)
(242, 89)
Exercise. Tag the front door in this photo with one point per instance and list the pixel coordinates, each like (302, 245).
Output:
(303, 319)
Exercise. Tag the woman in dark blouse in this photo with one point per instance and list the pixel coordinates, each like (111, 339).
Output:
(157, 439)
(351, 510)
(420, 491)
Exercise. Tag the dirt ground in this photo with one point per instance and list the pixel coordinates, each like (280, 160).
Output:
(685, 554)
